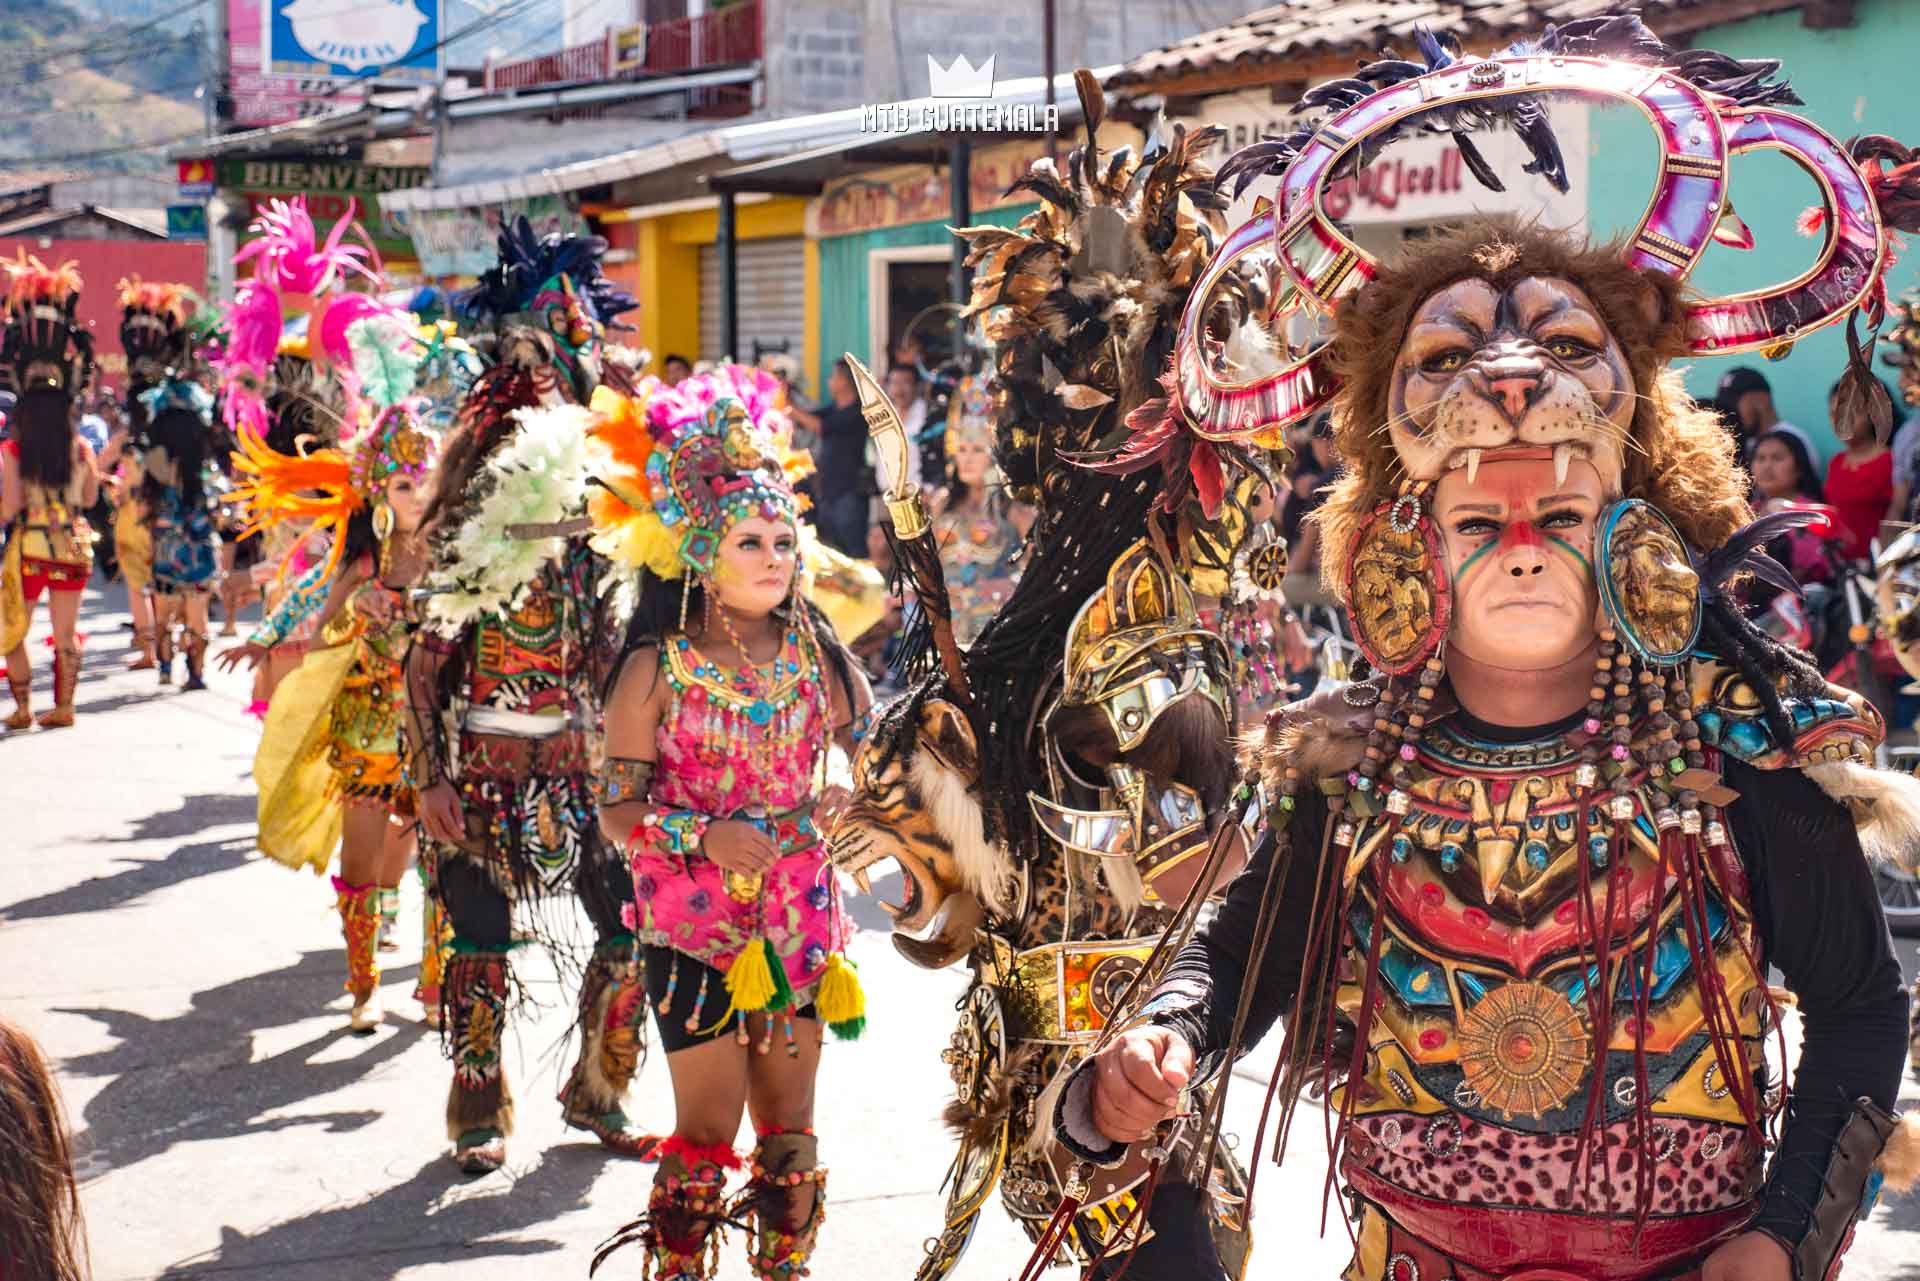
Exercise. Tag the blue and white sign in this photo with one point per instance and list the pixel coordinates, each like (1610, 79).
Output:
(349, 39)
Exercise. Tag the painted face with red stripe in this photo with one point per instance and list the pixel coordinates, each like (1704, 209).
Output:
(1519, 544)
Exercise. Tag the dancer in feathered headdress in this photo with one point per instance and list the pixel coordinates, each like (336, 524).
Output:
(1526, 880)
(1056, 789)
(517, 642)
(160, 327)
(731, 691)
(49, 479)
(329, 768)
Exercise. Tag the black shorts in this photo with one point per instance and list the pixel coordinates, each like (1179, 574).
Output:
(691, 1018)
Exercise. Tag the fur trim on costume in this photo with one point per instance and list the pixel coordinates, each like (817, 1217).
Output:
(490, 1106)
(537, 477)
(1322, 736)
(1899, 1162)
(609, 1051)
(1122, 878)
(1885, 805)
(985, 868)
(1041, 1139)
(977, 1122)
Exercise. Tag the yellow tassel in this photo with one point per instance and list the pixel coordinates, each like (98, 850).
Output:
(841, 1001)
(749, 979)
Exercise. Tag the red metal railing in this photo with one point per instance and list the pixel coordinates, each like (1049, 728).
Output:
(729, 35)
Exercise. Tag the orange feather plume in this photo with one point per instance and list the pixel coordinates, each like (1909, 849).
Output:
(29, 280)
(159, 297)
(315, 485)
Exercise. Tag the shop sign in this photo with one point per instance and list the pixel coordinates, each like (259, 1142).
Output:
(351, 39)
(465, 242)
(1421, 179)
(896, 198)
(629, 47)
(186, 222)
(260, 99)
(196, 179)
(334, 190)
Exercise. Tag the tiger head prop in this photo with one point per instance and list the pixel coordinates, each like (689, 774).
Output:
(915, 802)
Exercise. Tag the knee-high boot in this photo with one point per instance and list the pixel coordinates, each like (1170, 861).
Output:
(612, 1029)
(145, 660)
(783, 1205)
(436, 933)
(66, 675)
(196, 660)
(479, 1104)
(163, 649)
(360, 923)
(686, 1214)
(22, 689)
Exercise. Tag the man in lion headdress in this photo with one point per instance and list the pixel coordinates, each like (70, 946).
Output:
(1523, 882)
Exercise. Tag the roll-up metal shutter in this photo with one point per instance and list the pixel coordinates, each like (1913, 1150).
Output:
(772, 295)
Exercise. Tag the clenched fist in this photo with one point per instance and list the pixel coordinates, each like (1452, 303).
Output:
(1137, 1080)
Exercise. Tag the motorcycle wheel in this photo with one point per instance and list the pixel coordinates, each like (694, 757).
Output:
(1899, 898)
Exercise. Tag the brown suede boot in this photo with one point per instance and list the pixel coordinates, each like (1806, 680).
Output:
(144, 661)
(360, 924)
(22, 717)
(196, 661)
(163, 650)
(613, 1018)
(66, 675)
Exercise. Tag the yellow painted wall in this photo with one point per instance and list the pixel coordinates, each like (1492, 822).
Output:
(667, 250)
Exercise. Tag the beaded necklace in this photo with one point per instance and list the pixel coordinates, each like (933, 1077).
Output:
(770, 709)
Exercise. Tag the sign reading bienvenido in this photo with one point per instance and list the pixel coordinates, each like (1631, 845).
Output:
(331, 187)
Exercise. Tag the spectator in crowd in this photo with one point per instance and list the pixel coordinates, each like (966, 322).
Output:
(1860, 478)
(42, 1236)
(677, 367)
(1313, 470)
(1745, 401)
(1906, 444)
(903, 389)
(1783, 475)
(839, 461)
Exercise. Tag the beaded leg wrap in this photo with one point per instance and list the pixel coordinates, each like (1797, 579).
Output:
(196, 659)
(22, 689)
(783, 1205)
(613, 1016)
(66, 675)
(686, 1215)
(479, 1103)
(360, 924)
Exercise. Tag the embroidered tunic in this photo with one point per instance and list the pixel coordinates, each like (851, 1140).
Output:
(731, 746)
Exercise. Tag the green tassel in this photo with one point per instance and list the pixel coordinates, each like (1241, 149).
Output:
(782, 989)
(849, 1029)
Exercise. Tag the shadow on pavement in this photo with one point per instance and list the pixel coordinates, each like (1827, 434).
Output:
(194, 1077)
(142, 877)
(376, 1239)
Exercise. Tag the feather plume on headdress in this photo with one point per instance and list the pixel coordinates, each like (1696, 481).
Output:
(684, 462)
(315, 486)
(31, 281)
(161, 298)
(288, 257)
(537, 477)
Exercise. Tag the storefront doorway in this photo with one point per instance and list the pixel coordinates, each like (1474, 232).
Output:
(901, 284)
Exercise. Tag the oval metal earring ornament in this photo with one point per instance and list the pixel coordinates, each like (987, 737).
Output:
(1648, 587)
(1397, 589)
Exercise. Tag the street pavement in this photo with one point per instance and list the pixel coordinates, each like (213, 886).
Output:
(188, 993)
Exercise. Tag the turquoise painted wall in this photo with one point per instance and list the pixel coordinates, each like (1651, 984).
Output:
(843, 279)
(1854, 80)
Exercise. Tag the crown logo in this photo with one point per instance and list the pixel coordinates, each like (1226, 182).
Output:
(962, 79)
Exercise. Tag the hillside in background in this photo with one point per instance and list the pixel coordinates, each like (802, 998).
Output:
(92, 80)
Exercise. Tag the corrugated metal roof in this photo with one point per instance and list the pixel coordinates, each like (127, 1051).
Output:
(1305, 29)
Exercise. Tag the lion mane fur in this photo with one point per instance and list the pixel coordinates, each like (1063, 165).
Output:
(1680, 459)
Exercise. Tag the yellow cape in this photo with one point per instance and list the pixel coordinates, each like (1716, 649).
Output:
(300, 816)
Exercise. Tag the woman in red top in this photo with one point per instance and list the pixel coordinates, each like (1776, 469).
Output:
(1859, 480)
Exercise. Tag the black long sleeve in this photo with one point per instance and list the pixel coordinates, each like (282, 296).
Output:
(1819, 922)
(1198, 995)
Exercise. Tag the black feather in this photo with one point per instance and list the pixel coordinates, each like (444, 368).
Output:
(1746, 552)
